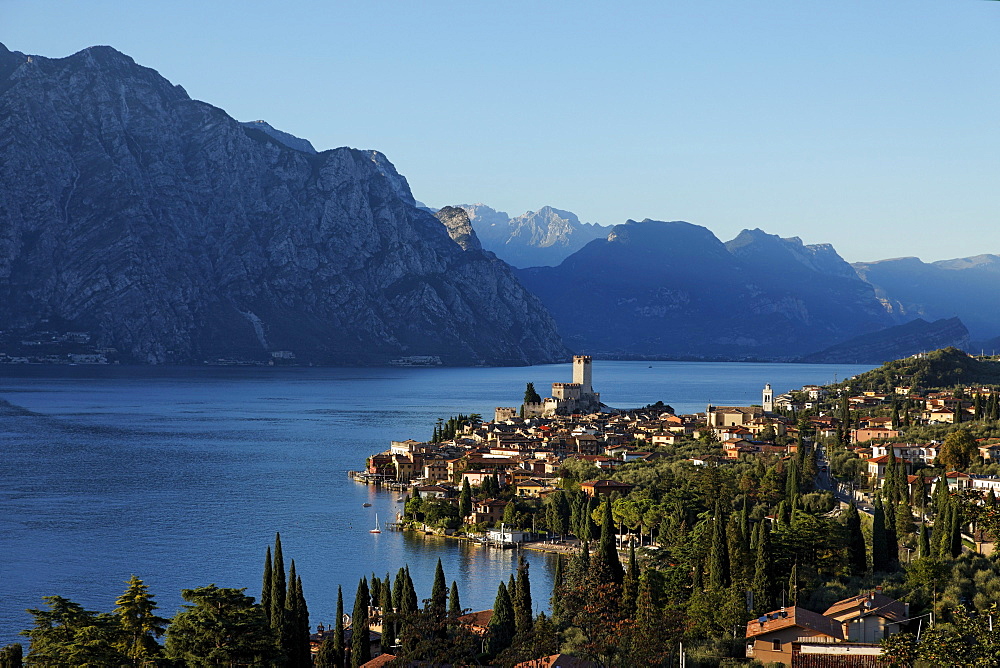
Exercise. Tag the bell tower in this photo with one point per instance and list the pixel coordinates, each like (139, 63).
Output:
(768, 399)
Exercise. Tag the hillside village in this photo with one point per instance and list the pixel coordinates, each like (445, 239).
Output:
(810, 458)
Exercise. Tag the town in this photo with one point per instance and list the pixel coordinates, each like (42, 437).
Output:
(894, 457)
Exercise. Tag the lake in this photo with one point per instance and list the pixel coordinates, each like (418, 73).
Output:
(183, 475)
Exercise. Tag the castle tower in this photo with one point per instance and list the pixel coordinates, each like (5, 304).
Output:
(768, 399)
(582, 373)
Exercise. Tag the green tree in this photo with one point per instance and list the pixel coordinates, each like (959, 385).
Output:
(465, 499)
(763, 578)
(718, 556)
(331, 652)
(530, 395)
(502, 625)
(857, 554)
(139, 624)
(608, 566)
(880, 544)
(66, 635)
(630, 585)
(361, 650)
(454, 604)
(267, 586)
(958, 450)
(221, 627)
(439, 592)
(523, 615)
(11, 656)
(278, 588)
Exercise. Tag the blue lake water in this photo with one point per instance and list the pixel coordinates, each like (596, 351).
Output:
(182, 475)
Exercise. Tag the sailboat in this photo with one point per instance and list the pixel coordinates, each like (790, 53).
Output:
(376, 529)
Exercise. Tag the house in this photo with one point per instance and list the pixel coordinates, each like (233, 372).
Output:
(770, 637)
(505, 536)
(958, 480)
(869, 618)
(532, 488)
(873, 434)
(477, 622)
(557, 661)
(605, 487)
(486, 512)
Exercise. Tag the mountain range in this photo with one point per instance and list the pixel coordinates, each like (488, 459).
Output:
(161, 227)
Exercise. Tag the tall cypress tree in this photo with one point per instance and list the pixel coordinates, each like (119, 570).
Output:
(955, 526)
(465, 499)
(923, 544)
(338, 637)
(454, 604)
(439, 592)
(880, 548)
(718, 558)
(502, 625)
(739, 548)
(331, 652)
(388, 618)
(891, 539)
(361, 651)
(555, 600)
(523, 615)
(301, 648)
(265, 589)
(608, 566)
(857, 554)
(763, 583)
(289, 631)
(278, 592)
(630, 585)
(411, 593)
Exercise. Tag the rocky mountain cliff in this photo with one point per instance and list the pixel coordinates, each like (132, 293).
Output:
(168, 230)
(968, 288)
(672, 289)
(536, 238)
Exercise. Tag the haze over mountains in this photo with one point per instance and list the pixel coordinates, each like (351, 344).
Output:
(159, 226)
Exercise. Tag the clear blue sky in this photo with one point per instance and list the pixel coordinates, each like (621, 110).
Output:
(872, 125)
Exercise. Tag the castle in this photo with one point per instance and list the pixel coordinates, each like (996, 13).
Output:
(567, 398)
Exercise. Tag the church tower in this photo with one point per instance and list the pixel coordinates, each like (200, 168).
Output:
(768, 399)
(582, 373)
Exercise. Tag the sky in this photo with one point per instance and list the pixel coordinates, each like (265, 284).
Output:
(869, 125)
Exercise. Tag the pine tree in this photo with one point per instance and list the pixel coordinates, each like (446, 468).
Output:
(361, 651)
(718, 564)
(857, 554)
(502, 625)
(140, 626)
(265, 590)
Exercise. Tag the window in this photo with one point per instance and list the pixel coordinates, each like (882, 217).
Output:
(776, 645)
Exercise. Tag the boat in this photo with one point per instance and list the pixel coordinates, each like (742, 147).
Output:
(366, 505)
(376, 529)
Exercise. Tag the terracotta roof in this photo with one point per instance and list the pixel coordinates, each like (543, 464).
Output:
(379, 661)
(557, 661)
(481, 618)
(794, 616)
(875, 603)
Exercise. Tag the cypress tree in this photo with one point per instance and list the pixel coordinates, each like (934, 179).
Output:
(388, 618)
(793, 584)
(955, 526)
(718, 564)
(361, 651)
(784, 514)
(265, 590)
(523, 615)
(465, 499)
(278, 592)
(338, 633)
(609, 566)
(923, 544)
(904, 520)
(454, 604)
(301, 646)
(763, 584)
(397, 590)
(376, 589)
(289, 631)
(502, 625)
(891, 539)
(939, 531)
(411, 593)
(630, 585)
(439, 591)
(857, 554)
(880, 548)
(555, 600)
(739, 549)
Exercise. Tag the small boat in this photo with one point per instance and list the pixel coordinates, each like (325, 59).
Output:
(366, 505)
(376, 529)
